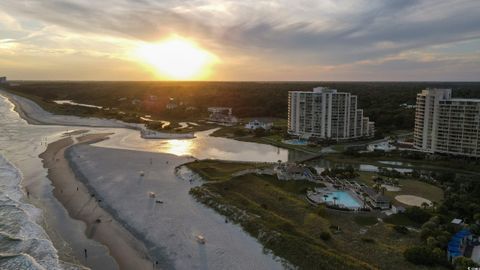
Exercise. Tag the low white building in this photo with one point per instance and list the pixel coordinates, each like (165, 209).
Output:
(377, 200)
(222, 116)
(172, 104)
(382, 146)
(291, 171)
(258, 124)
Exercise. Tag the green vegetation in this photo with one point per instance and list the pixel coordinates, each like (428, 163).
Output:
(380, 100)
(366, 220)
(218, 170)
(408, 186)
(311, 237)
(274, 136)
(401, 219)
(452, 184)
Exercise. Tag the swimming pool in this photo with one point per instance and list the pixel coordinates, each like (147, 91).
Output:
(342, 197)
(296, 142)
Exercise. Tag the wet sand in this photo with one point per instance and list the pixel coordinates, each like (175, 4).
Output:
(169, 223)
(129, 252)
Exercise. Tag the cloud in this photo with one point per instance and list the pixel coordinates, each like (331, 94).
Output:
(299, 35)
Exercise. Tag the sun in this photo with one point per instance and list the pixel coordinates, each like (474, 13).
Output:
(176, 58)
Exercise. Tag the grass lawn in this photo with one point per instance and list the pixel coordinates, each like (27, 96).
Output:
(409, 187)
(366, 220)
(278, 215)
(215, 170)
(402, 220)
(275, 139)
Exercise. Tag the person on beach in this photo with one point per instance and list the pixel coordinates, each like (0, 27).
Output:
(85, 251)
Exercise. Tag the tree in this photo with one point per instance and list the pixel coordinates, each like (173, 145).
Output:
(325, 236)
(425, 205)
(335, 200)
(422, 255)
(376, 187)
(462, 263)
(417, 214)
(476, 218)
(259, 132)
(434, 205)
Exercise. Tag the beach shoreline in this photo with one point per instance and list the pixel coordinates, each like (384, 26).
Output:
(128, 252)
(33, 114)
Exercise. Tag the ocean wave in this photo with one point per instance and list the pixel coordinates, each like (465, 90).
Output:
(24, 244)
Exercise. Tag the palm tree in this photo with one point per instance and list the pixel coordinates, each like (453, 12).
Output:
(376, 187)
(383, 189)
(434, 205)
(425, 205)
(325, 196)
(335, 200)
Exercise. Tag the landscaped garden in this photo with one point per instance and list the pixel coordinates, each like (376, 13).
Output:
(278, 215)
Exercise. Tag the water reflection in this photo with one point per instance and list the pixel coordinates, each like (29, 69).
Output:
(178, 147)
(202, 147)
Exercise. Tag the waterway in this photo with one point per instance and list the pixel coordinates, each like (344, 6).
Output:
(50, 239)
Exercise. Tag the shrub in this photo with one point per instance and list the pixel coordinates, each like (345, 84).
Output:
(260, 132)
(422, 255)
(325, 236)
(400, 229)
(462, 263)
(417, 214)
(368, 240)
(239, 132)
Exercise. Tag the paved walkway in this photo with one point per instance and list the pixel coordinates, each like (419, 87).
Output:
(476, 254)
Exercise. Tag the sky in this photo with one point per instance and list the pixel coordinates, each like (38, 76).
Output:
(252, 40)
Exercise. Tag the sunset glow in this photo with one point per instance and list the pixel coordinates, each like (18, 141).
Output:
(176, 58)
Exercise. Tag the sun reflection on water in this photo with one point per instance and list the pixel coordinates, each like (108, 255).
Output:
(178, 147)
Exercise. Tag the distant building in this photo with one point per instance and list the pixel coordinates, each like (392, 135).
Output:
(447, 125)
(3, 80)
(407, 106)
(377, 200)
(292, 171)
(382, 146)
(257, 124)
(136, 101)
(222, 115)
(171, 104)
(327, 114)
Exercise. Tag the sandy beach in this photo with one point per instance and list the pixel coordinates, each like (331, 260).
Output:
(36, 115)
(138, 230)
(169, 223)
(128, 252)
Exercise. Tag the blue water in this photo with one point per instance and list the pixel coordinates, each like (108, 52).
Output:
(343, 198)
(296, 142)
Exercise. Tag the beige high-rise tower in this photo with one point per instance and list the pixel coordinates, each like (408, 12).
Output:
(447, 125)
(327, 114)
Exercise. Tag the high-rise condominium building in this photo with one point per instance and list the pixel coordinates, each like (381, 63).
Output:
(447, 125)
(327, 114)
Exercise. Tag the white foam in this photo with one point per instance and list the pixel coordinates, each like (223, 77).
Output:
(23, 239)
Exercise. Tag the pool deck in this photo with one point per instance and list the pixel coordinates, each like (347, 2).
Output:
(317, 196)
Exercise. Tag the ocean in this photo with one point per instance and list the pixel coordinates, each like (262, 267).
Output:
(23, 242)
